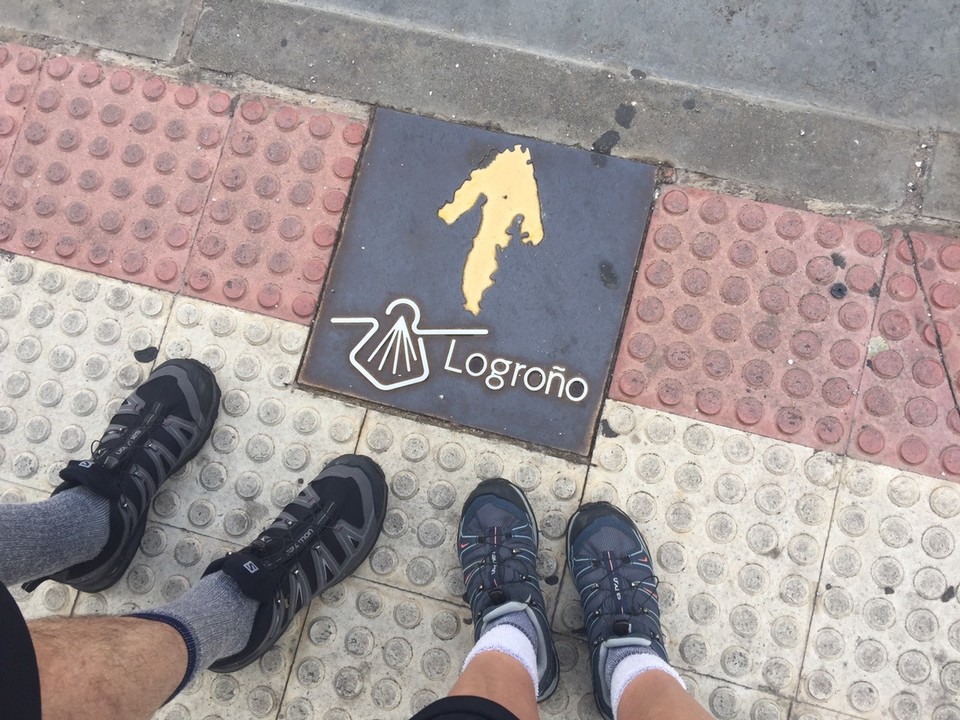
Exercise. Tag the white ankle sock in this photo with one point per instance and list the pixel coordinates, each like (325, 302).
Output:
(630, 668)
(511, 641)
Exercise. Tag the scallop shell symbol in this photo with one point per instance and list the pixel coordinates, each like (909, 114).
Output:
(396, 357)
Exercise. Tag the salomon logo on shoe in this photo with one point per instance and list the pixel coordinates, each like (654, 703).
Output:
(300, 543)
(251, 567)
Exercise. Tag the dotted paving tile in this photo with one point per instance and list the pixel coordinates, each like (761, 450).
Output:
(269, 438)
(112, 170)
(737, 524)
(68, 344)
(885, 637)
(431, 471)
(274, 211)
(52, 598)
(752, 316)
(373, 651)
(19, 70)
(803, 711)
(905, 411)
(726, 701)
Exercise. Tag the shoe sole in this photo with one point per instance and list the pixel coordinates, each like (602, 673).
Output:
(133, 544)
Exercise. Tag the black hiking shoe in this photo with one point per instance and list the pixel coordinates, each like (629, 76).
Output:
(497, 543)
(611, 568)
(317, 540)
(155, 432)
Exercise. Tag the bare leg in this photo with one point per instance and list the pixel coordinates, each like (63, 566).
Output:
(654, 695)
(498, 677)
(106, 667)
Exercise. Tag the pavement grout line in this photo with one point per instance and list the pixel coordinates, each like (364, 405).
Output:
(658, 188)
(930, 314)
(838, 474)
(184, 44)
(862, 375)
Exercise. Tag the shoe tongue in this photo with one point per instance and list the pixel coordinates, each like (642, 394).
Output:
(256, 581)
(621, 627)
(95, 476)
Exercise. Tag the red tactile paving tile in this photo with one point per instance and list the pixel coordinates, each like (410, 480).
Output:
(751, 315)
(19, 69)
(906, 416)
(111, 171)
(269, 226)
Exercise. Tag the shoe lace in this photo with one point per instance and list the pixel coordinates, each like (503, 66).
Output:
(119, 451)
(281, 533)
(491, 543)
(636, 598)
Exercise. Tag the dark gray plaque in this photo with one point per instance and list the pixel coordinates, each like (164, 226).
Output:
(481, 278)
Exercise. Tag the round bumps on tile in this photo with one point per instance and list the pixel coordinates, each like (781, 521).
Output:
(269, 438)
(783, 300)
(272, 217)
(887, 604)
(735, 522)
(430, 473)
(71, 342)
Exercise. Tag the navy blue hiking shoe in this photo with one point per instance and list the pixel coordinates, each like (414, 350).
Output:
(318, 539)
(154, 433)
(498, 542)
(612, 570)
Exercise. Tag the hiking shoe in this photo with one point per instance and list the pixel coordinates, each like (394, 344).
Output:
(498, 542)
(155, 432)
(611, 568)
(317, 540)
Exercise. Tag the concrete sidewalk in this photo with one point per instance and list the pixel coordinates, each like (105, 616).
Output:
(844, 105)
(778, 409)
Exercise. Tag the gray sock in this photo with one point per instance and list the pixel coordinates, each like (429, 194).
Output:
(521, 622)
(214, 618)
(616, 654)
(42, 538)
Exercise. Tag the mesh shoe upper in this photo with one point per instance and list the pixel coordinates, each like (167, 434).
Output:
(497, 544)
(315, 542)
(612, 570)
(156, 431)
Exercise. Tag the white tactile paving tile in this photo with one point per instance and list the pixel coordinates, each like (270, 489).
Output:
(737, 525)
(269, 439)
(727, 701)
(372, 651)
(885, 637)
(67, 344)
(804, 711)
(431, 471)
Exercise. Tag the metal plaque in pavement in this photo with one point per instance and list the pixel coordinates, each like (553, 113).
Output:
(481, 278)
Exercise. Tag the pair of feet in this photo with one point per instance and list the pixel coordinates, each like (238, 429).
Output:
(331, 527)
(609, 564)
(315, 542)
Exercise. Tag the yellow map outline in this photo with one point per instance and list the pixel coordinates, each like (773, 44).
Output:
(507, 190)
